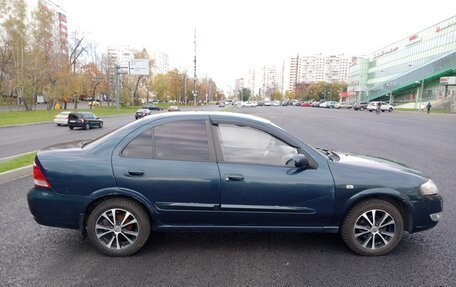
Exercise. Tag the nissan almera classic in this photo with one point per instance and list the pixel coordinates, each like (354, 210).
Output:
(208, 171)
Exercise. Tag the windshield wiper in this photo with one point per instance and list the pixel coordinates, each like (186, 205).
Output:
(331, 154)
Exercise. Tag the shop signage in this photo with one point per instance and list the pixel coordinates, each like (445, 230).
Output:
(448, 80)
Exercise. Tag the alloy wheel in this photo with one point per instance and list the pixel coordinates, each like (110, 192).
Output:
(117, 229)
(374, 229)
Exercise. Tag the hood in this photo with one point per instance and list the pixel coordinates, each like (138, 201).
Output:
(375, 163)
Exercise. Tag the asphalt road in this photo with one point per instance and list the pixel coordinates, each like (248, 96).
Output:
(24, 138)
(34, 255)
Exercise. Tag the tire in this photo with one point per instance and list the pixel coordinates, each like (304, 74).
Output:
(361, 109)
(87, 126)
(370, 111)
(392, 231)
(71, 128)
(58, 125)
(100, 125)
(115, 242)
(390, 110)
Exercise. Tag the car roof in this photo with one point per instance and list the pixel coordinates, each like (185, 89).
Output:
(226, 115)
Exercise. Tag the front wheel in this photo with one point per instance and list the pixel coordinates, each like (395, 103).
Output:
(86, 126)
(361, 109)
(118, 227)
(71, 128)
(372, 227)
(390, 110)
(100, 125)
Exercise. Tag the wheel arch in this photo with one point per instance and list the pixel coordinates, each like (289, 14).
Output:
(102, 195)
(391, 197)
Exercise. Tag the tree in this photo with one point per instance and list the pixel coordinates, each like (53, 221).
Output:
(245, 94)
(276, 96)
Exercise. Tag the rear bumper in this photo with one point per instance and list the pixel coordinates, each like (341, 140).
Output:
(424, 211)
(53, 209)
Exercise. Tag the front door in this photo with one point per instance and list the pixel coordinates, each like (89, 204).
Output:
(260, 185)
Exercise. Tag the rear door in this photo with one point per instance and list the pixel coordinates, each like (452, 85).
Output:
(172, 164)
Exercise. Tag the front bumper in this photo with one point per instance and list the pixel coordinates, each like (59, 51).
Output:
(53, 209)
(424, 212)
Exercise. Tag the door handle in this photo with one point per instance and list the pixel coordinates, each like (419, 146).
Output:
(234, 177)
(135, 172)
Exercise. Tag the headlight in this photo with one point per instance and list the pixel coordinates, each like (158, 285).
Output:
(429, 188)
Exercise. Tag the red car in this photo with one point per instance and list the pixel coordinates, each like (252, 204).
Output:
(305, 104)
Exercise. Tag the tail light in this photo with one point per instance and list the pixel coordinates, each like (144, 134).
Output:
(38, 177)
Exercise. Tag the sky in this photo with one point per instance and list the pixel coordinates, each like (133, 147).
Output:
(233, 35)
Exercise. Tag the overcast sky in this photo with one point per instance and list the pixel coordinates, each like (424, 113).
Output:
(235, 35)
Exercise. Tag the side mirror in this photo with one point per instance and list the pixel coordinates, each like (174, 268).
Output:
(301, 161)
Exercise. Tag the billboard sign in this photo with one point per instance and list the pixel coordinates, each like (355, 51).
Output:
(138, 67)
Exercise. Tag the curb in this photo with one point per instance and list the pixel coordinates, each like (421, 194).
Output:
(14, 174)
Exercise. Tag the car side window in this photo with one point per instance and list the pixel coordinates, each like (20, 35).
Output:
(248, 145)
(182, 140)
(140, 147)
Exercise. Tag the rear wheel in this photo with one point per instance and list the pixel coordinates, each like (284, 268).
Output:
(71, 127)
(372, 227)
(361, 109)
(390, 110)
(100, 125)
(118, 227)
(86, 126)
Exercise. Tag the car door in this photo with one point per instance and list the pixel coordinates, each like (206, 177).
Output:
(259, 186)
(172, 165)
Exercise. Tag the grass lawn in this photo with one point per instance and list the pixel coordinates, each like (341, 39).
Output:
(24, 160)
(26, 117)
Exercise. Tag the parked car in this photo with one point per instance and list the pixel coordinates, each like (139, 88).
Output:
(221, 104)
(173, 109)
(267, 103)
(360, 106)
(276, 103)
(316, 104)
(142, 113)
(224, 171)
(247, 104)
(328, 104)
(383, 106)
(306, 104)
(343, 105)
(84, 120)
(62, 119)
(153, 108)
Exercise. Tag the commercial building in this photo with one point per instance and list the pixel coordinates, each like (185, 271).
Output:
(161, 62)
(407, 72)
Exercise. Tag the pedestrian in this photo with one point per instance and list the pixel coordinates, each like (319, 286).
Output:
(379, 109)
(428, 107)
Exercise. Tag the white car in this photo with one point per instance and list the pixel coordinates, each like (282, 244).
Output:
(276, 103)
(247, 104)
(384, 107)
(62, 119)
(267, 103)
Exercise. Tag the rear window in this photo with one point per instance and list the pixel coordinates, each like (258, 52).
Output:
(74, 116)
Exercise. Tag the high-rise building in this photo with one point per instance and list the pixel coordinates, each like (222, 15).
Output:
(59, 20)
(161, 62)
(316, 68)
(119, 55)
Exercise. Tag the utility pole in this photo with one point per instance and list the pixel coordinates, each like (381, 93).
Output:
(194, 74)
(117, 67)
